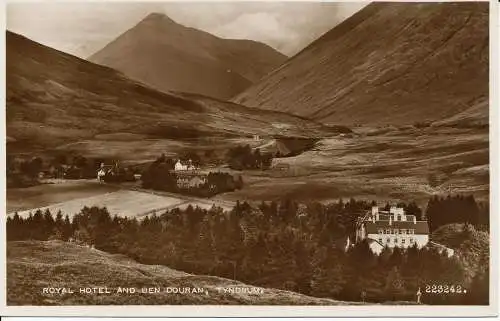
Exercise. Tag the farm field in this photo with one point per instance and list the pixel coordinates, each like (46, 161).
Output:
(122, 203)
(20, 199)
(70, 196)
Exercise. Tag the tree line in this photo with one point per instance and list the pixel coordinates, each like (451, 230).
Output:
(28, 172)
(457, 209)
(243, 157)
(285, 245)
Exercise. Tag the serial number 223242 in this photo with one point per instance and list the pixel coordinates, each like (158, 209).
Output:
(444, 288)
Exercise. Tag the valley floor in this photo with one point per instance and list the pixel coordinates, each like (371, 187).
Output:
(386, 165)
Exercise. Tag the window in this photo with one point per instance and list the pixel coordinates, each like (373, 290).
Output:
(411, 241)
(388, 240)
(396, 231)
(380, 240)
(387, 231)
(403, 231)
(395, 241)
(403, 241)
(380, 231)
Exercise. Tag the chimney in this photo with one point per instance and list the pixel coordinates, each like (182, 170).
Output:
(414, 219)
(375, 214)
(390, 219)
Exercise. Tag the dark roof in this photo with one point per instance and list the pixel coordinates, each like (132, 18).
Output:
(421, 227)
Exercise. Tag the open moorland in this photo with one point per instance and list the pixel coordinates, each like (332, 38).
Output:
(386, 164)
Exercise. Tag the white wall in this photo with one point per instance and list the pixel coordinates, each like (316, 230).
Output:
(420, 239)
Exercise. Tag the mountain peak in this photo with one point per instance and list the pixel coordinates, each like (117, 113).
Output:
(174, 57)
(157, 17)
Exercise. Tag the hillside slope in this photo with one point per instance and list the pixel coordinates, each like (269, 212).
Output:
(33, 265)
(390, 63)
(170, 56)
(54, 98)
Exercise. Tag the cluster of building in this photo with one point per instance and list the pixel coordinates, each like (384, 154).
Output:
(186, 166)
(107, 170)
(188, 175)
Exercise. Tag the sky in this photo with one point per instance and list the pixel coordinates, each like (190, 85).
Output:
(83, 28)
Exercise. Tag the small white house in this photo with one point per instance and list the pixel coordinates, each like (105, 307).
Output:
(187, 166)
(102, 171)
(179, 166)
(100, 174)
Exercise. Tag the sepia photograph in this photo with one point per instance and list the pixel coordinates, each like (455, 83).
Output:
(235, 154)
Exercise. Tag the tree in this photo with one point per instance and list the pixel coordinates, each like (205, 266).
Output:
(83, 236)
(239, 182)
(80, 161)
(67, 229)
(413, 209)
(394, 285)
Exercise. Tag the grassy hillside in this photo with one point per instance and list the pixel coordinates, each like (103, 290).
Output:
(33, 265)
(170, 56)
(390, 63)
(55, 100)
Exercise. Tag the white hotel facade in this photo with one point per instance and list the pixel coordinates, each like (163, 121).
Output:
(391, 228)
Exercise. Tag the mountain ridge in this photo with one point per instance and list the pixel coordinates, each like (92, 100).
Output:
(425, 62)
(54, 98)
